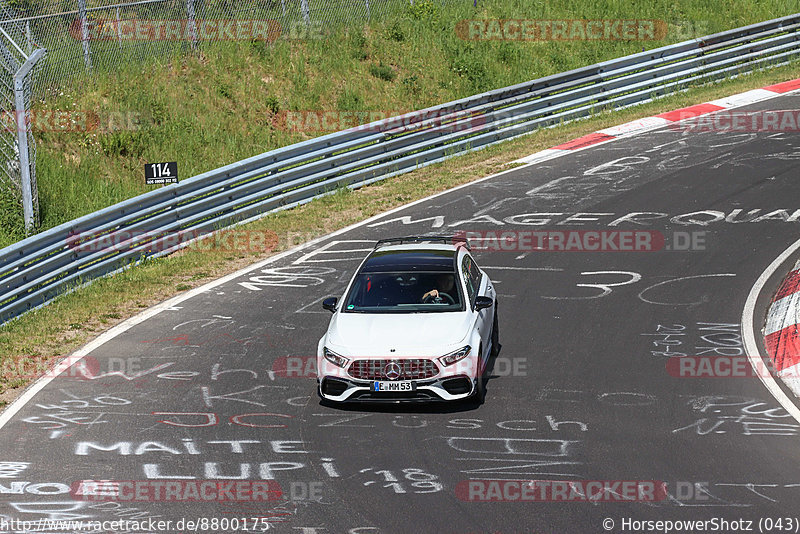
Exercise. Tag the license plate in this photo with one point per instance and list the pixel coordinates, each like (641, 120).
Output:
(402, 385)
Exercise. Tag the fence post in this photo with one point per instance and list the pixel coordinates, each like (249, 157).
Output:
(119, 30)
(191, 25)
(367, 4)
(25, 164)
(28, 36)
(306, 12)
(87, 53)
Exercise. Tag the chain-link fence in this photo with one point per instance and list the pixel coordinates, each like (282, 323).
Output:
(82, 37)
(20, 56)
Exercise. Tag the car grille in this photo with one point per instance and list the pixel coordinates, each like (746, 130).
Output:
(413, 369)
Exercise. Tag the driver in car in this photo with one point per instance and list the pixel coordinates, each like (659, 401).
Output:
(445, 282)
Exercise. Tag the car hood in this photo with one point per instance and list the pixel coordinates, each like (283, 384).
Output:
(412, 334)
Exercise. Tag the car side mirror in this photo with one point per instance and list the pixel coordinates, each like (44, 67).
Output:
(482, 303)
(330, 304)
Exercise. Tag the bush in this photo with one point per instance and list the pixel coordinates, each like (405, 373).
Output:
(395, 32)
(125, 144)
(411, 84)
(382, 72)
(349, 101)
(224, 90)
(358, 46)
(273, 105)
(472, 71)
(423, 10)
(158, 112)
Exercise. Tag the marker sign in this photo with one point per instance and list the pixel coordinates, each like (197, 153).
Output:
(161, 173)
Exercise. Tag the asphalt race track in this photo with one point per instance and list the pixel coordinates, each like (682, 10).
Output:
(580, 390)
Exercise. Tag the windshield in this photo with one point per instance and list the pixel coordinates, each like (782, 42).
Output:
(404, 292)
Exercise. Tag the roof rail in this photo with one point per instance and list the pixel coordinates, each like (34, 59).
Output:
(459, 241)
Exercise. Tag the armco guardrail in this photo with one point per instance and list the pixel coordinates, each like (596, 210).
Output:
(37, 269)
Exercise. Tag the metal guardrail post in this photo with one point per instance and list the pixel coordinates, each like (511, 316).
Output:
(28, 208)
(87, 52)
(119, 30)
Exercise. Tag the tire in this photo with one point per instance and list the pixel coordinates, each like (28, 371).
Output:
(495, 334)
(480, 384)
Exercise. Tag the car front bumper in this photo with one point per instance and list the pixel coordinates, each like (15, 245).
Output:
(443, 388)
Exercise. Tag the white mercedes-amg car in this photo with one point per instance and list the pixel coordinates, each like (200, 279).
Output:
(417, 322)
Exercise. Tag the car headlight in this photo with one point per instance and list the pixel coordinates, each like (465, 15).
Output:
(335, 359)
(456, 356)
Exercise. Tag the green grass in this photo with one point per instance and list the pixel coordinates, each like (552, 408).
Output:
(226, 103)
